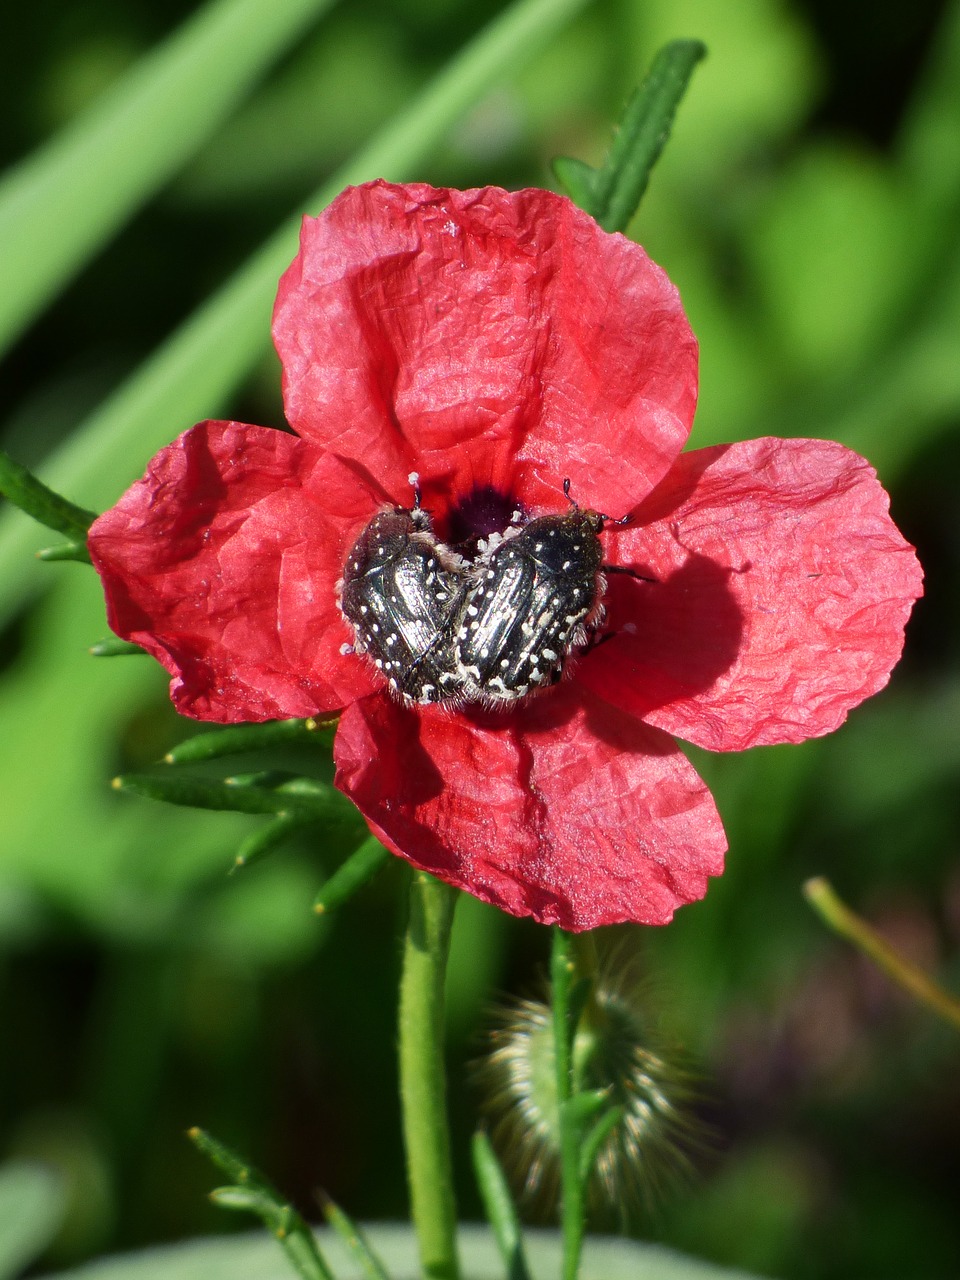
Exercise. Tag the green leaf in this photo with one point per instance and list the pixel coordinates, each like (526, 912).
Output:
(578, 179)
(612, 193)
(248, 737)
(355, 1241)
(66, 551)
(256, 1195)
(66, 200)
(31, 1208)
(499, 1207)
(595, 1139)
(36, 499)
(202, 363)
(351, 875)
(579, 1110)
(241, 795)
(225, 1158)
(114, 647)
(269, 838)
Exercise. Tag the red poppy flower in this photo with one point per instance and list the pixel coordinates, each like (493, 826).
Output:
(497, 343)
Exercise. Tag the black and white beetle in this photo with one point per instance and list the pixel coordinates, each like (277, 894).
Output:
(403, 593)
(537, 595)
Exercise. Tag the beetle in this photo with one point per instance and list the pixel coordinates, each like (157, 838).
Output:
(537, 595)
(403, 593)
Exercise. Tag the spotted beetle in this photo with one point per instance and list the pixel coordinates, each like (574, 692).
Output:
(403, 593)
(537, 595)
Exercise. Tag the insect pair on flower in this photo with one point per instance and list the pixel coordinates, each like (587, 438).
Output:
(497, 342)
(443, 628)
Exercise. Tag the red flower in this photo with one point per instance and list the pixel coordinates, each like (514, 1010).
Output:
(496, 343)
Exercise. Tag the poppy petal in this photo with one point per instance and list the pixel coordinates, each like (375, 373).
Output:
(780, 595)
(574, 814)
(485, 339)
(223, 562)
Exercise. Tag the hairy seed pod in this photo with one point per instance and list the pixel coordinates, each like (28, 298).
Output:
(659, 1138)
(403, 592)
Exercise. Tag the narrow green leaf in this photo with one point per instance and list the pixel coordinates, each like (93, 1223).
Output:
(643, 132)
(31, 495)
(612, 193)
(595, 1140)
(579, 1110)
(269, 838)
(66, 200)
(66, 551)
(191, 376)
(246, 1199)
(225, 1158)
(499, 1207)
(208, 793)
(355, 1241)
(578, 179)
(254, 1194)
(351, 875)
(114, 647)
(248, 737)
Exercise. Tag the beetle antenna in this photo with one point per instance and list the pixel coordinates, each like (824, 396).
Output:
(599, 514)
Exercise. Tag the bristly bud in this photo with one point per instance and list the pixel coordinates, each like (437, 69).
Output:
(653, 1145)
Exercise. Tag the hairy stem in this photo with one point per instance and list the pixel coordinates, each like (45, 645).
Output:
(572, 1209)
(422, 1080)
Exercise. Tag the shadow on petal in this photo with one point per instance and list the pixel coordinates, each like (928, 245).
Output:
(667, 639)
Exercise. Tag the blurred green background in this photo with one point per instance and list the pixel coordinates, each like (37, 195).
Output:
(807, 207)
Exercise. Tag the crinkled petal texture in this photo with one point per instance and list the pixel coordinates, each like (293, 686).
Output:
(498, 343)
(485, 338)
(223, 562)
(781, 592)
(569, 811)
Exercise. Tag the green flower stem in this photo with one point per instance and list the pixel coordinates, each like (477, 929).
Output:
(821, 896)
(422, 1078)
(562, 970)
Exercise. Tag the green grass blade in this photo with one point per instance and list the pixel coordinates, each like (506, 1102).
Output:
(499, 1207)
(59, 205)
(191, 376)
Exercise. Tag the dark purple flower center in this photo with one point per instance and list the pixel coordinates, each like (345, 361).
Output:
(483, 511)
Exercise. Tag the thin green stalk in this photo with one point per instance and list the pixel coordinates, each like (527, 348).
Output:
(192, 375)
(499, 1207)
(562, 970)
(422, 1077)
(28, 493)
(835, 913)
